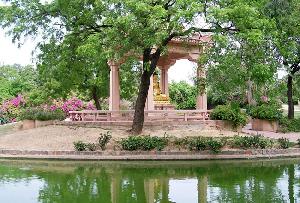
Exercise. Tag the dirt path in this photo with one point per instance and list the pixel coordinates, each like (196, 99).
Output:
(62, 137)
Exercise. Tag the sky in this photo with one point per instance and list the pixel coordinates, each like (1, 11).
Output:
(11, 54)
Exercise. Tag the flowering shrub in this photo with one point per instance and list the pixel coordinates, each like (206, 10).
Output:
(11, 109)
(73, 104)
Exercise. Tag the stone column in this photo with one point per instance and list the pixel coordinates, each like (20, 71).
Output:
(150, 99)
(165, 190)
(114, 99)
(164, 80)
(115, 189)
(202, 98)
(202, 189)
(149, 190)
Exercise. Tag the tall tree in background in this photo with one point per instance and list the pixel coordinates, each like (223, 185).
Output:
(74, 65)
(286, 15)
(16, 79)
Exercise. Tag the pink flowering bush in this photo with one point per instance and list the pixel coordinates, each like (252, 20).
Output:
(11, 109)
(73, 104)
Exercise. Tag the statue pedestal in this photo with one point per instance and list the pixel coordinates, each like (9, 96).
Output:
(164, 107)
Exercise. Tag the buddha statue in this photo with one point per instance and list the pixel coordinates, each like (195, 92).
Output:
(159, 98)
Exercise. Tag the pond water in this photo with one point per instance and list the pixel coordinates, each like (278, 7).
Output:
(148, 182)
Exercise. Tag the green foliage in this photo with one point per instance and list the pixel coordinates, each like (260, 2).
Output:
(183, 95)
(229, 113)
(205, 143)
(215, 145)
(254, 141)
(284, 143)
(42, 114)
(145, 143)
(90, 146)
(80, 146)
(289, 125)
(104, 139)
(16, 80)
(267, 111)
(197, 143)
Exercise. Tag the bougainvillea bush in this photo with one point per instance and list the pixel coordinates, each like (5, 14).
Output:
(11, 110)
(73, 104)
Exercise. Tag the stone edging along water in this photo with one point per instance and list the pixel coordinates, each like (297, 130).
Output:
(152, 155)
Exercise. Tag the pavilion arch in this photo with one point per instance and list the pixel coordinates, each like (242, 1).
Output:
(190, 48)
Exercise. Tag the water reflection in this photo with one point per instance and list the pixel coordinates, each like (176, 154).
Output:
(146, 182)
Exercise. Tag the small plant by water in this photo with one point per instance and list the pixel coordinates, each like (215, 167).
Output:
(254, 141)
(144, 143)
(205, 143)
(284, 143)
(104, 139)
(80, 146)
(91, 146)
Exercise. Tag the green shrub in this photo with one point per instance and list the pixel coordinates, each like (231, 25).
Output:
(131, 143)
(254, 141)
(284, 143)
(42, 115)
(183, 95)
(205, 143)
(289, 125)
(215, 145)
(80, 146)
(104, 139)
(145, 143)
(229, 113)
(180, 142)
(266, 111)
(91, 146)
(197, 143)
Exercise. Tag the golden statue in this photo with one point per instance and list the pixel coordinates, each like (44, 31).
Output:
(159, 98)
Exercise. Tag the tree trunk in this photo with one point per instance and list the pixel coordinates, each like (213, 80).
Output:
(96, 98)
(250, 99)
(138, 120)
(139, 117)
(290, 97)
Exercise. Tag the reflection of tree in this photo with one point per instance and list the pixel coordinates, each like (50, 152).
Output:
(145, 184)
(253, 184)
(83, 185)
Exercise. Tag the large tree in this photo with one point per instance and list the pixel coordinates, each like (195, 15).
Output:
(286, 40)
(74, 65)
(131, 27)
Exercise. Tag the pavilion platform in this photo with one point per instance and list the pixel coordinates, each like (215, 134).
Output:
(154, 118)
